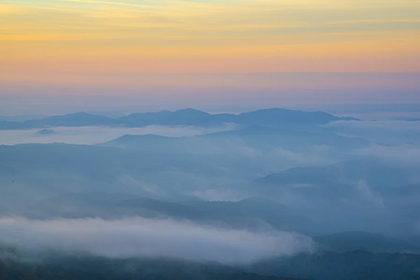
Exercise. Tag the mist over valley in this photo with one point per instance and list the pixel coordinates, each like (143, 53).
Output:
(269, 193)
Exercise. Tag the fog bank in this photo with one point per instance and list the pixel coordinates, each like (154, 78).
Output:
(140, 237)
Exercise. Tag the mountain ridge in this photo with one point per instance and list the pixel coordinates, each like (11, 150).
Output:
(187, 117)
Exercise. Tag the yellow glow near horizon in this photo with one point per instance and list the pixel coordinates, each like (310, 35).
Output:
(210, 36)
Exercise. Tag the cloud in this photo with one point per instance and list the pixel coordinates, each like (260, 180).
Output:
(138, 185)
(398, 155)
(101, 134)
(320, 158)
(139, 237)
(380, 132)
(387, 125)
(225, 194)
(365, 191)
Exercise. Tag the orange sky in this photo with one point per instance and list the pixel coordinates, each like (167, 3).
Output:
(140, 42)
(210, 36)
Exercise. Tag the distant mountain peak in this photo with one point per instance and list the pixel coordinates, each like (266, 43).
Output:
(191, 111)
(271, 117)
(81, 113)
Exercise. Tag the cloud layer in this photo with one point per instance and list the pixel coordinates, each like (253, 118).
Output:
(139, 237)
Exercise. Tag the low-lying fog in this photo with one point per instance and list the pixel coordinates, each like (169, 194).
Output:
(98, 134)
(140, 237)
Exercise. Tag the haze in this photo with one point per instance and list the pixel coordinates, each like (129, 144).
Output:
(209, 139)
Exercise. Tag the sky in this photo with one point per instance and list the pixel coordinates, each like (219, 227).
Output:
(148, 54)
